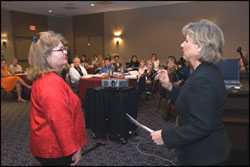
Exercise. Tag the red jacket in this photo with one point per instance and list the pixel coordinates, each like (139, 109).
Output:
(57, 127)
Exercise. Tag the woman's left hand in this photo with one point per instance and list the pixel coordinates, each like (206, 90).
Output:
(156, 137)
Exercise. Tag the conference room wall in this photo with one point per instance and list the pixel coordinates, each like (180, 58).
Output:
(6, 28)
(158, 29)
(16, 24)
(88, 29)
(64, 26)
(20, 28)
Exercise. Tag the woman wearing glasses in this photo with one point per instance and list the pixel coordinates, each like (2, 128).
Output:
(57, 128)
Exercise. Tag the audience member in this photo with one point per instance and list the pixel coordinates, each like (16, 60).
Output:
(15, 67)
(106, 67)
(65, 71)
(75, 73)
(146, 79)
(99, 63)
(134, 64)
(111, 61)
(181, 64)
(174, 75)
(94, 60)
(9, 81)
(155, 61)
(117, 65)
(199, 102)
(142, 67)
(84, 61)
(57, 128)
(187, 70)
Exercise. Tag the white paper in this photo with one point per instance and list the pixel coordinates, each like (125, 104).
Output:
(133, 73)
(139, 124)
(130, 77)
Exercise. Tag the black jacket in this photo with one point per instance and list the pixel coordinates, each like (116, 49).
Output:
(200, 138)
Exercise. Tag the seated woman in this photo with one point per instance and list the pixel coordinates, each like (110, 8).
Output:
(155, 61)
(175, 75)
(134, 63)
(84, 61)
(176, 78)
(75, 73)
(98, 64)
(142, 67)
(9, 82)
(146, 79)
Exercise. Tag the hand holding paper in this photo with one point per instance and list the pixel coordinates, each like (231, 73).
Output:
(135, 122)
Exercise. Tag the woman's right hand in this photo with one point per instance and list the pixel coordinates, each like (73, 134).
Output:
(162, 75)
(76, 158)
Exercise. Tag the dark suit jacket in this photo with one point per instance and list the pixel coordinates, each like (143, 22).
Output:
(200, 138)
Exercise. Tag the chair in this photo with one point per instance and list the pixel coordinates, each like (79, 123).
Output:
(151, 92)
(74, 87)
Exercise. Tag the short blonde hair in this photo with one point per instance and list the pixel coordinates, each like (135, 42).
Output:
(75, 59)
(209, 36)
(40, 48)
(150, 62)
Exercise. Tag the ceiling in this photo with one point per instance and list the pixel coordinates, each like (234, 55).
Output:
(73, 8)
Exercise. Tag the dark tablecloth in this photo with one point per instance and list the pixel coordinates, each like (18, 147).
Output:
(105, 110)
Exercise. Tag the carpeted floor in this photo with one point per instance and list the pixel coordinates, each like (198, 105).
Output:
(139, 150)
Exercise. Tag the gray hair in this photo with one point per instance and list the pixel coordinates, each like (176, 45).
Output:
(209, 36)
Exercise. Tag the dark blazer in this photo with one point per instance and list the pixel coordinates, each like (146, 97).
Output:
(200, 138)
(117, 66)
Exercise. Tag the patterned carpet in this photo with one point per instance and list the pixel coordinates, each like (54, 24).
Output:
(139, 150)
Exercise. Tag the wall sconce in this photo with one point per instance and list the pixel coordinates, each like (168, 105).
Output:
(4, 39)
(89, 39)
(117, 38)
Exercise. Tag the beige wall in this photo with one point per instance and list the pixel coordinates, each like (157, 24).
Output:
(20, 27)
(158, 29)
(88, 28)
(63, 26)
(6, 28)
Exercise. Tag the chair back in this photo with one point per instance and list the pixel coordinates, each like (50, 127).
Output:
(153, 86)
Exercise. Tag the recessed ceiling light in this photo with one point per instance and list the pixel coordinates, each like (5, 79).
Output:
(50, 11)
(92, 4)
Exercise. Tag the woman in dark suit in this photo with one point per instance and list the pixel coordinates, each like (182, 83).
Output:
(199, 138)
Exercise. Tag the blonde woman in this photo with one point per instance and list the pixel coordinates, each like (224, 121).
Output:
(200, 137)
(57, 128)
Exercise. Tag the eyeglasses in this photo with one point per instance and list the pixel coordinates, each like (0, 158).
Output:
(61, 49)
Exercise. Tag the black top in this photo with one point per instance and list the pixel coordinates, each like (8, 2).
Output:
(134, 64)
(116, 67)
(200, 138)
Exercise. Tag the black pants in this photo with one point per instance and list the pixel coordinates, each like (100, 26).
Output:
(64, 161)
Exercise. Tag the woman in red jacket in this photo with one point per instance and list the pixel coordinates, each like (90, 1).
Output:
(57, 128)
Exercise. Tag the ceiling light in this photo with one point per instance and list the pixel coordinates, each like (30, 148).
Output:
(92, 4)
